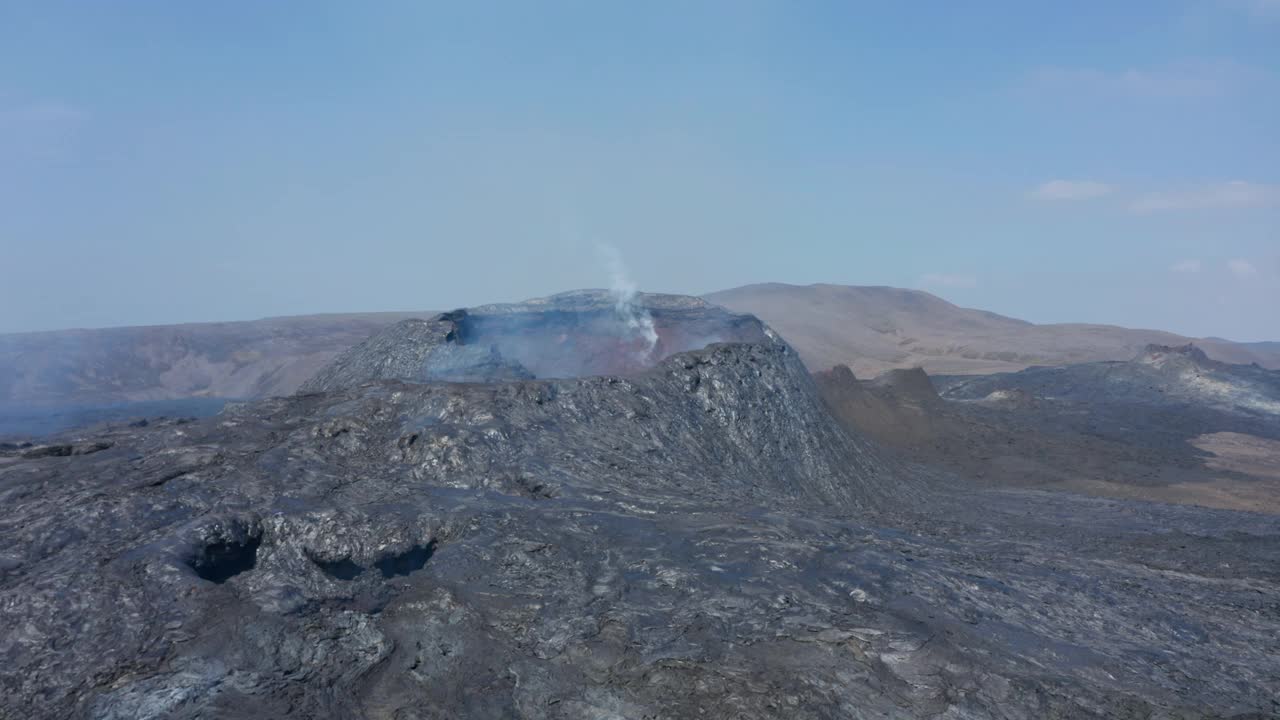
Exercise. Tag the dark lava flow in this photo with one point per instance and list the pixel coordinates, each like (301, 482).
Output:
(448, 522)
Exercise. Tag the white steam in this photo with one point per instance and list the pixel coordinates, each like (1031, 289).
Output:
(635, 318)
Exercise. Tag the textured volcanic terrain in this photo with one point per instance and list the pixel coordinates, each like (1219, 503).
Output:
(1169, 425)
(666, 531)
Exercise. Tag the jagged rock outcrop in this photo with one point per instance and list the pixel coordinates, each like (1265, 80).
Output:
(910, 384)
(1185, 355)
(876, 410)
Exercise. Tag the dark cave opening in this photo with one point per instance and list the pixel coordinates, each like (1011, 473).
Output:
(221, 561)
(411, 560)
(343, 569)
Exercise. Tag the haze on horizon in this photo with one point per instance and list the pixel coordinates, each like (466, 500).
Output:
(1091, 162)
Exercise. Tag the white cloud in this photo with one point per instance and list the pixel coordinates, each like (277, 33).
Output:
(1184, 80)
(1070, 190)
(1186, 266)
(948, 280)
(1229, 195)
(1242, 268)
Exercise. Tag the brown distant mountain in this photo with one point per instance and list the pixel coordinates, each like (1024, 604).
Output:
(249, 359)
(873, 329)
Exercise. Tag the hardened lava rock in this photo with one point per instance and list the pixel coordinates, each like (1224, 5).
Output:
(698, 538)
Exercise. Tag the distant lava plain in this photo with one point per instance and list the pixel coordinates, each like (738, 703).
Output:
(1170, 425)
(580, 507)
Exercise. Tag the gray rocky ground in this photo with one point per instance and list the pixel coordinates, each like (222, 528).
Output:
(693, 535)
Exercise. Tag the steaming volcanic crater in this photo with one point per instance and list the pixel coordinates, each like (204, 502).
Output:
(575, 334)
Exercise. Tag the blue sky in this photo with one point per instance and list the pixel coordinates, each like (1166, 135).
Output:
(1088, 161)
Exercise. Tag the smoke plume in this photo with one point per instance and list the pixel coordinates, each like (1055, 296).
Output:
(635, 318)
